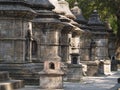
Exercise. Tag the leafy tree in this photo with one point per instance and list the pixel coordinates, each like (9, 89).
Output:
(108, 9)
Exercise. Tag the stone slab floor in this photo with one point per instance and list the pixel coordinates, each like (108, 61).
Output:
(89, 83)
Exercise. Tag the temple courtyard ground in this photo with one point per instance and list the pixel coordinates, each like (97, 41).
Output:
(89, 83)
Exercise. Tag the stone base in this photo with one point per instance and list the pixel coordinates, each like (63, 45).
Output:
(97, 67)
(92, 67)
(24, 71)
(53, 81)
(75, 72)
(7, 84)
(51, 89)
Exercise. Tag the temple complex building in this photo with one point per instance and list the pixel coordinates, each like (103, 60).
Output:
(40, 36)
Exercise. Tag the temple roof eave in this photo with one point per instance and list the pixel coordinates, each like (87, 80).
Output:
(41, 4)
(16, 9)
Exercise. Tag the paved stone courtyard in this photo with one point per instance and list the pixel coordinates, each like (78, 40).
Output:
(89, 83)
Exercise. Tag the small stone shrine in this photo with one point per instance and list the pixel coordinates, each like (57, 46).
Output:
(46, 31)
(51, 77)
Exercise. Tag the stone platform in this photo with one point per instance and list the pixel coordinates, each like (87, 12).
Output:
(6, 83)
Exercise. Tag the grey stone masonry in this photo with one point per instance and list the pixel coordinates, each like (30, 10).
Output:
(8, 84)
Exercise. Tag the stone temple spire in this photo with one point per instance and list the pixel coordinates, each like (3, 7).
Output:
(95, 24)
(78, 13)
(65, 7)
(95, 19)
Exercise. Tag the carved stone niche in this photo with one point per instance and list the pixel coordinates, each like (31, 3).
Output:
(52, 76)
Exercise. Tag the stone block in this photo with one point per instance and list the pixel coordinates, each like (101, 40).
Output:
(92, 68)
(74, 72)
(11, 85)
(51, 82)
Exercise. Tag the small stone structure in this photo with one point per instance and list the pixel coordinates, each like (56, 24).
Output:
(52, 76)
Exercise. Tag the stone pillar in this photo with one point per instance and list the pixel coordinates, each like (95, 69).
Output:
(75, 54)
(64, 45)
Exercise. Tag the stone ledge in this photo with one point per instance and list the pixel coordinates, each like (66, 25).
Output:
(12, 84)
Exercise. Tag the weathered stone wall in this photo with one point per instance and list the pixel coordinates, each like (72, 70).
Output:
(12, 39)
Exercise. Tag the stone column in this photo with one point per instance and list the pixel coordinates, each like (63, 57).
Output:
(75, 48)
(65, 40)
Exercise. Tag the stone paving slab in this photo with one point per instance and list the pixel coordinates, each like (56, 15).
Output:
(89, 83)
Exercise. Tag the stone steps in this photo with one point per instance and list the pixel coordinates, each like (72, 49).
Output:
(7, 84)
(25, 71)
(11, 84)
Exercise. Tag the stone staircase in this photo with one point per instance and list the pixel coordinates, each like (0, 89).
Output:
(6, 83)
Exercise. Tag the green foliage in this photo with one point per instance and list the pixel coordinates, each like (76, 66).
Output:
(113, 22)
(108, 9)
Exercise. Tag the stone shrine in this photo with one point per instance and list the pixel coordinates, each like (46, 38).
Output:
(100, 39)
(51, 77)
(16, 39)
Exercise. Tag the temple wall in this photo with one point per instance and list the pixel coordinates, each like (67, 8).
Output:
(12, 39)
